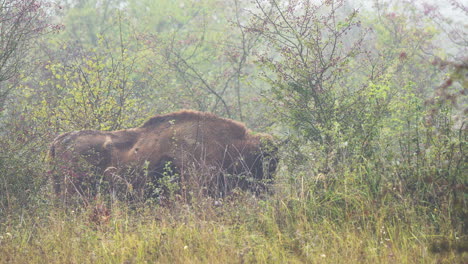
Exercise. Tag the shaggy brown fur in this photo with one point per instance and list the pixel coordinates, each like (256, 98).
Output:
(187, 140)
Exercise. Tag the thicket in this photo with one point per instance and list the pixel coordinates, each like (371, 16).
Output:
(368, 107)
(360, 106)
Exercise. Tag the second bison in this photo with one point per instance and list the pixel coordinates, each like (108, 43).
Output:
(215, 153)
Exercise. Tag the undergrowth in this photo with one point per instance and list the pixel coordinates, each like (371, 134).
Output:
(287, 227)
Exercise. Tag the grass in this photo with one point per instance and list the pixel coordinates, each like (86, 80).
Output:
(280, 229)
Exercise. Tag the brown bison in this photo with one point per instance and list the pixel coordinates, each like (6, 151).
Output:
(218, 154)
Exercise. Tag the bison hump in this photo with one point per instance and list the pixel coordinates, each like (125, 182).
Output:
(236, 129)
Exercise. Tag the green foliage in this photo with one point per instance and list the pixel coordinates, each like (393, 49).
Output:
(94, 92)
(309, 71)
(86, 20)
(169, 184)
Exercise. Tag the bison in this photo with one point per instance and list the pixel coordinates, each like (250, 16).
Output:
(218, 154)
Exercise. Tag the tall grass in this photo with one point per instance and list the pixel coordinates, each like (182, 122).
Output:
(288, 227)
